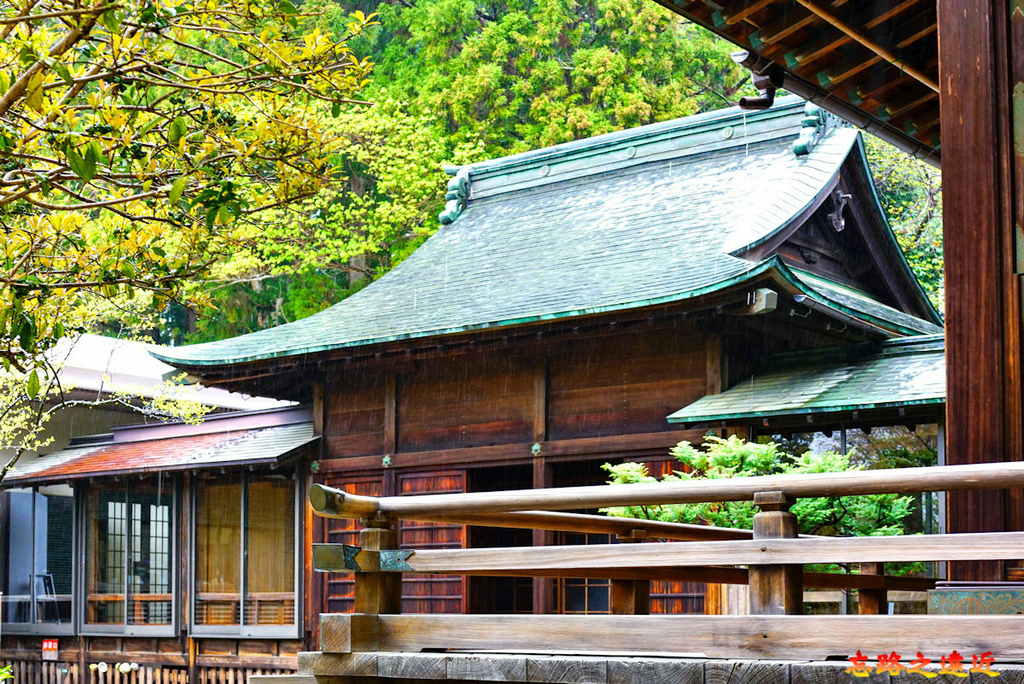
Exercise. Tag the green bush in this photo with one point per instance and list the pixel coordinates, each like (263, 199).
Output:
(875, 515)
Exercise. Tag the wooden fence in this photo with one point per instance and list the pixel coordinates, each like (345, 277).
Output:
(37, 672)
(770, 559)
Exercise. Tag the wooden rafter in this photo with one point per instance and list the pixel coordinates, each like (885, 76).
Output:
(863, 39)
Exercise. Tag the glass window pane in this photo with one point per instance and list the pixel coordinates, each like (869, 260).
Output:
(55, 506)
(218, 551)
(270, 565)
(18, 570)
(105, 546)
(149, 581)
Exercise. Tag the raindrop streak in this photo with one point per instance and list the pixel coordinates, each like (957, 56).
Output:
(746, 141)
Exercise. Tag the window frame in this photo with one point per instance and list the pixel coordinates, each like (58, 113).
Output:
(174, 523)
(242, 630)
(47, 628)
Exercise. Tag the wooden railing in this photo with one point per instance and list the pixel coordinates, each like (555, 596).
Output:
(770, 559)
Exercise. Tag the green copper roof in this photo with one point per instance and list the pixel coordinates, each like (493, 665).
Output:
(624, 220)
(895, 373)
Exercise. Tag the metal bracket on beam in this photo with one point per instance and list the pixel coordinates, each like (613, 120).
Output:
(344, 558)
(395, 561)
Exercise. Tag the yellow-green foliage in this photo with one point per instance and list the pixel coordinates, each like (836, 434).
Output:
(733, 457)
(134, 134)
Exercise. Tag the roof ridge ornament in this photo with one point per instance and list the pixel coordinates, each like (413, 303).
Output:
(813, 128)
(456, 196)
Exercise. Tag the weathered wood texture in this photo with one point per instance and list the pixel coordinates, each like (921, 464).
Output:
(775, 589)
(637, 557)
(338, 588)
(727, 636)
(621, 384)
(378, 592)
(982, 202)
(466, 401)
(934, 478)
(432, 594)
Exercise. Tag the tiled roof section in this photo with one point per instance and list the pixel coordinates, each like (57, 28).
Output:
(865, 306)
(894, 373)
(176, 453)
(624, 237)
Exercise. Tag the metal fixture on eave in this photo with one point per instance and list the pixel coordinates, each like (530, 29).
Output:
(767, 79)
(840, 200)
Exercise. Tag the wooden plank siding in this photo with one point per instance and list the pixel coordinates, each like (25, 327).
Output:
(474, 406)
(623, 384)
(467, 401)
(432, 593)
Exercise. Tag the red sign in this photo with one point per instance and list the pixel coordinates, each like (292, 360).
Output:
(50, 649)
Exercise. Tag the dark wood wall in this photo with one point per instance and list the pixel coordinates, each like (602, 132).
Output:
(468, 420)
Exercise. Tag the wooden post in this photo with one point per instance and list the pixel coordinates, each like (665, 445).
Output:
(631, 597)
(873, 601)
(543, 588)
(981, 74)
(775, 589)
(378, 592)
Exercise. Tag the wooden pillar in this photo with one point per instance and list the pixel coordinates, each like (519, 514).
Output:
(543, 588)
(981, 74)
(873, 601)
(775, 589)
(378, 592)
(631, 597)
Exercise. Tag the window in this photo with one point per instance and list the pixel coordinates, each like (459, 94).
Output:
(129, 564)
(36, 573)
(245, 558)
(584, 595)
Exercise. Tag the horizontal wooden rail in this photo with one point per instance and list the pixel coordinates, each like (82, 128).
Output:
(331, 502)
(329, 560)
(609, 557)
(725, 636)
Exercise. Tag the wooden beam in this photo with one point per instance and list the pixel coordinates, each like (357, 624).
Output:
(716, 636)
(562, 449)
(540, 400)
(872, 601)
(863, 39)
(544, 596)
(335, 503)
(983, 193)
(390, 413)
(593, 524)
(775, 589)
(804, 551)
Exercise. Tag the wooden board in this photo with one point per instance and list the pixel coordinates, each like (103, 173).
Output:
(905, 480)
(983, 546)
(726, 636)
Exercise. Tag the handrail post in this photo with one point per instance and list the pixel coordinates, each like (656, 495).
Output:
(378, 592)
(873, 601)
(631, 597)
(775, 589)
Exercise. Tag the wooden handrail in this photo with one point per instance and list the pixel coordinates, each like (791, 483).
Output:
(608, 558)
(330, 502)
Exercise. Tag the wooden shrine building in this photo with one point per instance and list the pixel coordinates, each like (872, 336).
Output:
(573, 301)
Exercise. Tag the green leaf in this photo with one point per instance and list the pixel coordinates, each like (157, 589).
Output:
(63, 71)
(33, 384)
(89, 160)
(286, 8)
(336, 110)
(176, 189)
(177, 130)
(76, 162)
(112, 20)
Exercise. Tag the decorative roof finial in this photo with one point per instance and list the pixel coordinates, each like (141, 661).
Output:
(457, 195)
